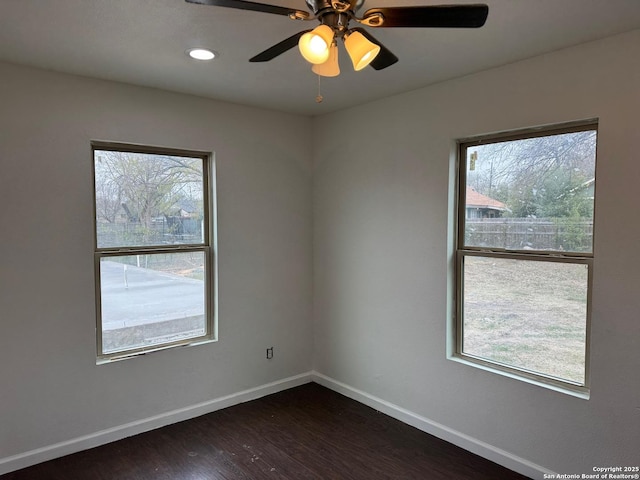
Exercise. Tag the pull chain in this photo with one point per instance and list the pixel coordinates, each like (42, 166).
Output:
(319, 97)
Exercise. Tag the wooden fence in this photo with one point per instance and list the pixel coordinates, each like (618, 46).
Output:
(561, 234)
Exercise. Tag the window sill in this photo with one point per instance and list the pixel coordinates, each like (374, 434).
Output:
(118, 356)
(578, 392)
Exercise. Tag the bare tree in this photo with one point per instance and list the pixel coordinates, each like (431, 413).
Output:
(140, 197)
(532, 176)
(108, 195)
(145, 186)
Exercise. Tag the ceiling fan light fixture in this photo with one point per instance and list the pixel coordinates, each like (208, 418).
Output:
(361, 50)
(315, 45)
(330, 68)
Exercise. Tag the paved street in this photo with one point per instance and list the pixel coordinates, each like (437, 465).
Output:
(135, 296)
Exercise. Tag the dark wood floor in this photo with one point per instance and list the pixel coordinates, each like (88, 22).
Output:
(308, 432)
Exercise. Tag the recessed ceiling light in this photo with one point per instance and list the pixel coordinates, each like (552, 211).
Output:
(201, 54)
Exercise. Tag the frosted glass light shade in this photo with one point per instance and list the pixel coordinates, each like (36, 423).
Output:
(315, 45)
(360, 49)
(330, 68)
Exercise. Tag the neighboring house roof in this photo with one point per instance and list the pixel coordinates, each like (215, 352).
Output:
(187, 205)
(184, 208)
(478, 200)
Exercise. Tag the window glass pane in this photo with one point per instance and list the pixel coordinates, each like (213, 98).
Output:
(148, 199)
(527, 314)
(532, 194)
(152, 299)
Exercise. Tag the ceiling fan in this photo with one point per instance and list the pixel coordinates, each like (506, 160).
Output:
(319, 45)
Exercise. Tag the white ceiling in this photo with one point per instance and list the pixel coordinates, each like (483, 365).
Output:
(143, 42)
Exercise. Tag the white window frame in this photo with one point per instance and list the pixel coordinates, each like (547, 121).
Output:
(461, 251)
(207, 247)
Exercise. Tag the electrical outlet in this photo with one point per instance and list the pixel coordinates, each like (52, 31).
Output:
(269, 353)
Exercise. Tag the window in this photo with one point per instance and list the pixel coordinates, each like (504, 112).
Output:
(153, 249)
(524, 253)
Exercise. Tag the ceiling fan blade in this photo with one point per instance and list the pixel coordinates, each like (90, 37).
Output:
(279, 48)
(438, 16)
(254, 6)
(384, 58)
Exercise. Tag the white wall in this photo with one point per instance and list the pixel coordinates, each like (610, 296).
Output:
(51, 390)
(382, 255)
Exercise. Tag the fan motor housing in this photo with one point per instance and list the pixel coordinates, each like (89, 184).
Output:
(317, 6)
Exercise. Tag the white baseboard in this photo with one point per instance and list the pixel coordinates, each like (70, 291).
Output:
(497, 455)
(33, 457)
(473, 445)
